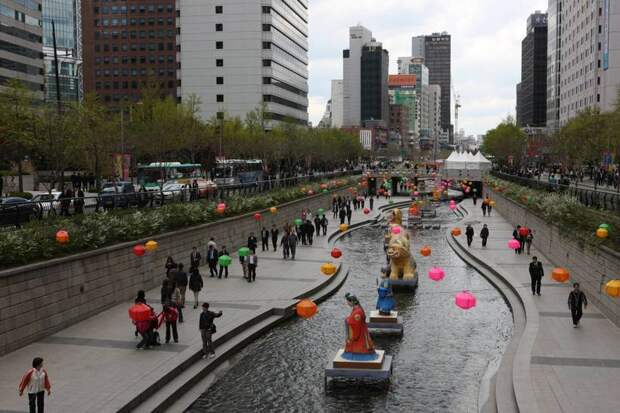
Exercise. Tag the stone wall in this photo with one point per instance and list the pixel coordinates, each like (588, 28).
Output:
(586, 264)
(40, 299)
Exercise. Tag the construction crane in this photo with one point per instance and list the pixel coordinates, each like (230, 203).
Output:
(457, 106)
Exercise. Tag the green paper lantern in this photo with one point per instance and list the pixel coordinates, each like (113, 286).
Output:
(604, 226)
(224, 261)
(244, 251)
(320, 211)
(298, 221)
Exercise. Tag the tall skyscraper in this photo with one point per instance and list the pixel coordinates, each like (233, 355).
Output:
(554, 30)
(21, 54)
(337, 102)
(438, 58)
(352, 75)
(415, 66)
(375, 64)
(532, 93)
(402, 89)
(239, 56)
(67, 22)
(126, 45)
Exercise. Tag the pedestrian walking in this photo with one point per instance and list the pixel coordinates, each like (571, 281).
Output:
(146, 328)
(349, 214)
(195, 284)
(212, 256)
(284, 245)
(171, 315)
(165, 291)
(324, 223)
(194, 259)
(181, 281)
(252, 242)
(469, 233)
(176, 299)
(309, 231)
(484, 235)
(223, 269)
(207, 329)
(536, 274)
(517, 236)
(171, 267)
(252, 264)
(371, 202)
(489, 207)
(274, 237)
(317, 225)
(292, 244)
(528, 241)
(78, 203)
(243, 261)
(36, 382)
(301, 232)
(264, 237)
(484, 208)
(212, 243)
(343, 215)
(577, 301)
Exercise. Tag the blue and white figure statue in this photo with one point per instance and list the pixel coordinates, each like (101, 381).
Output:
(385, 302)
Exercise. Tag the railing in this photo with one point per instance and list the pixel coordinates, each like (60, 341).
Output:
(16, 214)
(590, 197)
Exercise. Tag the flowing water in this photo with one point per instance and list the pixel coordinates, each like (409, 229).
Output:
(439, 364)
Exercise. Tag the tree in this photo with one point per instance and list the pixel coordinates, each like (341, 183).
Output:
(506, 142)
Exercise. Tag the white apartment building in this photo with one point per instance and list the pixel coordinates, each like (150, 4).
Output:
(588, 56)
(337, 103)
(241, 55)
(434, 111)
(352, 75)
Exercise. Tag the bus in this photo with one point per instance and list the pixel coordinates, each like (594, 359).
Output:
(157, 174)
(238, 171)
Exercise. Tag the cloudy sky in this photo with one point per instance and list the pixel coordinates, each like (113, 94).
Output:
(486, 47)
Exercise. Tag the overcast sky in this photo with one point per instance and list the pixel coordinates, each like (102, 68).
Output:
(486, 47)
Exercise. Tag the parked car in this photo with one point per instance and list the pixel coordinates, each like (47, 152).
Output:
(174, 192)
(48, 202)
(16, 211)
(118, 194)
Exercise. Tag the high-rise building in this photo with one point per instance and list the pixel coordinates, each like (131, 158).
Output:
(326, 120)
(337, 102)
(438, 58)
(415, 66)
(243, 55)
(375, 103)
(402, 90)
(66, 16)
(554, 30)
(127, 46)
(21, 38)
(532, 94)
(352, 75)
(399, 122)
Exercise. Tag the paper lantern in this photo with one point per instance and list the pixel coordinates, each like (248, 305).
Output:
(560, 275)
(140, 312)
(395, 230)
(139, 250)
(416, 193)
(514, 244)
(336, 253)
(151, 245)
(343, 227)
(62, 237)
(492, 203)
(258, 216)
(310, 192)
(323, 186)
(298, 221)
(224, 261)
(436, 274)
(523, 231)
(452, 207)
(602, 233)
(328, 268)
(244, 251)
(221, 205)
(273, 210)
(320, 211)
(425, 251)
(306, 308)
(366, 211)
(604, 226)
(466, 190)
(456, 232)
(465, 300)
(612, 288)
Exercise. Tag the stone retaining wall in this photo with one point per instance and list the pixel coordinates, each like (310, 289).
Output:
(40, 299)
(586, 264)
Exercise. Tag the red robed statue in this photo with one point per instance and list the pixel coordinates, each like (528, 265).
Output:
(358, 339)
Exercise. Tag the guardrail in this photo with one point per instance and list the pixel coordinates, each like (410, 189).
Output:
(16, 214)
(593, 198)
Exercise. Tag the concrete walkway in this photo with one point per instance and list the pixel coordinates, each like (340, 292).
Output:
(571, 369)
(94, 365)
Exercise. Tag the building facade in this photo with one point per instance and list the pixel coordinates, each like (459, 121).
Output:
(399, 122)
(127, 47)
(402, 90)
(21, 44)
(352, 75)
(438, 58)
(66, 16)
(238, 56)
(337, 103)
(532, 94)
(554, 30)
(375, 105)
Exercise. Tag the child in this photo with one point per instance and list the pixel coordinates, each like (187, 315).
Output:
(37, 381)
(171, 316)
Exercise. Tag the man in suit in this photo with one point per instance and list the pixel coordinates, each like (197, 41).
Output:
(195, 258)
(212, 256)
(223, 270)
(274, 237)
(252, 242)
(264, 237)
(252, 264)
(536, 274)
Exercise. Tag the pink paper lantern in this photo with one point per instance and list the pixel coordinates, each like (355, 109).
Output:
(395, 230)
(453, 206)
(221, 206)
(465, 300)
(416, 193)
(436, 274)
(513, 244)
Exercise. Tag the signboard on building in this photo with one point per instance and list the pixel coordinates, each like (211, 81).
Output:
(402, 81)
(366, 139)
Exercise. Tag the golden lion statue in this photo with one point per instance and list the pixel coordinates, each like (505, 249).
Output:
(402, 265)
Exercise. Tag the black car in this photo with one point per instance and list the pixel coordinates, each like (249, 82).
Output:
(16, 211)
(118, 194)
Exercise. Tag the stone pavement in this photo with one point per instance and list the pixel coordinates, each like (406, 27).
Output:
(572, 369)
(94, 365)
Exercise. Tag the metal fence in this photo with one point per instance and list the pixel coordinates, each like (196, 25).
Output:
(14, 215)
(590, 197)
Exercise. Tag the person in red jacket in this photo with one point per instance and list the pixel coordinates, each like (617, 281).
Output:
(36, 381)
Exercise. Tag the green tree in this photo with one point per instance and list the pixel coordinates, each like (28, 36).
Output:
(506, 142)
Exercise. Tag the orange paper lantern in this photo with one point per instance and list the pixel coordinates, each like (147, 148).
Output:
(456, 232)
(62, 237)
(306, 308)
(560, 275)
(328, 268)
(151, 246)
(425, 251)
(343, 227)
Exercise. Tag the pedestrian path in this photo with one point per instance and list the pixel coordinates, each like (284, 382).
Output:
(572, 369)
(94, 365)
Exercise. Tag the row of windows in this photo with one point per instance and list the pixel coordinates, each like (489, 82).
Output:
(134, 84)
(134, 8)
(19, 16)
(152, 21)
(125, 72)
(133, 34)
(133, 98)
(22, 34)
(20, 67)
(19, 50)
(133, 59)
(284, 102)
(29, 4)
(134, 47)
(28, 85)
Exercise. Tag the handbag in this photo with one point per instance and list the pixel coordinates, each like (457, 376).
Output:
(213, 329)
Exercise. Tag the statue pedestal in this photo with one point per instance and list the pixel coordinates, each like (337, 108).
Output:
(378, 369)
(388, 324)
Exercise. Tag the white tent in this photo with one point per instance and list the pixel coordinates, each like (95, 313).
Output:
(456, 160)
(483, 163)
(465, 165)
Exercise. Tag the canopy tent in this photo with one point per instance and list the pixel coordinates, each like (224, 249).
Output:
(456, 160)
(483, 163)
(465, 165)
